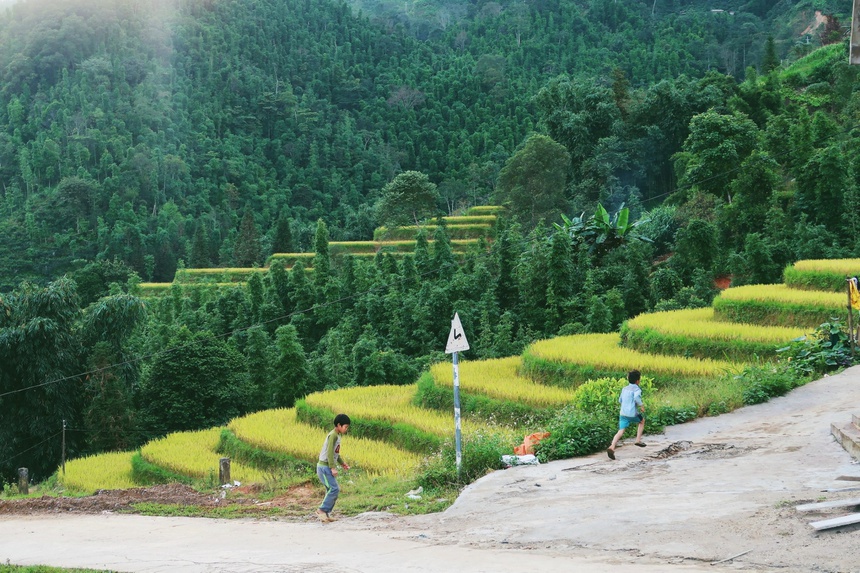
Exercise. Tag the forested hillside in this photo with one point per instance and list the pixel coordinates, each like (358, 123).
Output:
(126, 130)
(216, 133)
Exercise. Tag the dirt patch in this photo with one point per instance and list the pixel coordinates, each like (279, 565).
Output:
(298, 499)
(723, 282)
(110, 500)
(700, 451)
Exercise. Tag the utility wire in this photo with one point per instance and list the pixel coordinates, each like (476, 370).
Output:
(692, 184)
(9, 459)
(214, 336)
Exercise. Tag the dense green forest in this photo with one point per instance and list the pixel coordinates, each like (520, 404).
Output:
(212, 133)
(127, 130)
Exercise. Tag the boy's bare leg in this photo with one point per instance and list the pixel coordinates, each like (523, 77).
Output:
(639, 430)
(611, 451)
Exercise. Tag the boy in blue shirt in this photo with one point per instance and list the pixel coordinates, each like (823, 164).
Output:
(327, 463)
(631, 400)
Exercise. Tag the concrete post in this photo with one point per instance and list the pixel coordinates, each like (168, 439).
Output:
(23, 481)
(224, 471)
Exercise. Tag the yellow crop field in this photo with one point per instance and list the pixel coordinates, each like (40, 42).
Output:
(306, 258)
(280, 431)
(193, 454)
(101, 471)
(783, 294)
(485, 210)
(500, 379)
(701, 323)
(402, 245)
(601, 351)
(154, 288)
(186, 289)
(390, 403)
(846, 267)
(470, 219)
(183, 274)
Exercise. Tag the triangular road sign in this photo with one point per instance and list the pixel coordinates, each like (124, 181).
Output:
(456, 338)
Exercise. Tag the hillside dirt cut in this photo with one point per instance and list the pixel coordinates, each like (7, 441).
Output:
(715, 494)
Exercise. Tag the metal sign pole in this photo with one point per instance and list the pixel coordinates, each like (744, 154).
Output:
(457, 343)
(63, 462)
(850, 316)
(457, 414)
(854, 41)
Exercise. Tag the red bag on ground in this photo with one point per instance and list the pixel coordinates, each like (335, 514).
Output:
(529, 443)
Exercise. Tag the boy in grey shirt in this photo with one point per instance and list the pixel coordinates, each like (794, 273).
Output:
(327, 463)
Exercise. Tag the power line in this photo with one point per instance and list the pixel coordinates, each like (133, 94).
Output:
(3, 462)
(213, 337)
(692, 184)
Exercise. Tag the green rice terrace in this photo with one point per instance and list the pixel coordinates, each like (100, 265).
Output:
(693, 362)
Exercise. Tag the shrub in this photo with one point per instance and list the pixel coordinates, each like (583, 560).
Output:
(600, 397)
(666, 415)
(766, 382)
(481, 453)
(576, 433)
(825, 350)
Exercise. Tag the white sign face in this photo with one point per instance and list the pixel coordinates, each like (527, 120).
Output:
(456, 338)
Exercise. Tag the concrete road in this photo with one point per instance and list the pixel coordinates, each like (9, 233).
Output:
(167, 544)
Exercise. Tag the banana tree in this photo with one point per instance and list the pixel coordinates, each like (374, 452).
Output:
(600, 232)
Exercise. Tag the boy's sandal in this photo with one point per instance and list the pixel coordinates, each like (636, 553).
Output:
(640, 444)
(611, 453)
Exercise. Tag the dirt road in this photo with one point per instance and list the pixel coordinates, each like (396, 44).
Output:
(701, 493)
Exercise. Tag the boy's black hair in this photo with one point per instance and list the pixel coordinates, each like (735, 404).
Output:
(341, 420)
(633, 376)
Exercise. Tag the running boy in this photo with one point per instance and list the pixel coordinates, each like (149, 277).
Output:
(631, 398)
(327, 466)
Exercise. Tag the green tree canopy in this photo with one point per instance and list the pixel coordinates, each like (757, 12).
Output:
(199, 381)
(290, 372)
(532, 182)
(717, 145)
(407, 199)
